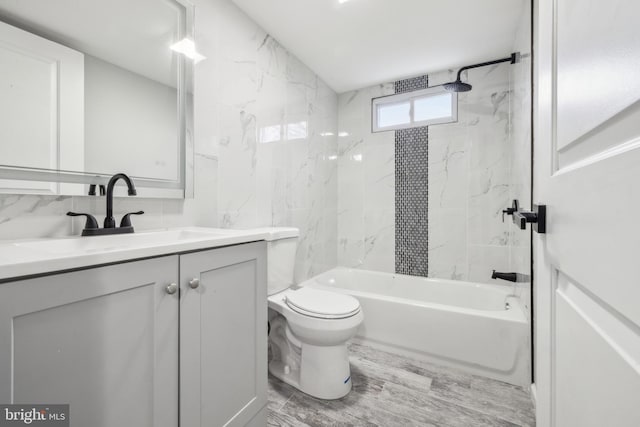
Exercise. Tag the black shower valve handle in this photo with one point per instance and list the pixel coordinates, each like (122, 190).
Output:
(126, 220)
(91, 224)
(510, 211)
(537, 217)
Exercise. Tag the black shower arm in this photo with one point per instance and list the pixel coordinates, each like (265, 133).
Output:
(511, 59)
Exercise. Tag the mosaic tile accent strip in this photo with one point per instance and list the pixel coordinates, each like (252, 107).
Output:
(414, 83)
(412, 192)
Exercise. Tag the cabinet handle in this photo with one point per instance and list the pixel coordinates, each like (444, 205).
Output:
(171, 288)
(194, 283)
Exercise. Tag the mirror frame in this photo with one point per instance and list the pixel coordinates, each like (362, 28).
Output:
(75, 183)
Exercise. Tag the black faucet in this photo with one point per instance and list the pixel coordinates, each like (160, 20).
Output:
(91, 227)
(511, 277)
(109, 221)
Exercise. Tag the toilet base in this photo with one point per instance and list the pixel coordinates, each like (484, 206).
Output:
(322, 372)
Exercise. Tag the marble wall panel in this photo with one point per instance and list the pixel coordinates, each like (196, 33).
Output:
(468, 181)
(366, 184)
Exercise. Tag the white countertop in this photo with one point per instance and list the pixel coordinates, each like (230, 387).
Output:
(20, 258)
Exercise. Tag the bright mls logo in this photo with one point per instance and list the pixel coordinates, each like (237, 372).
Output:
(34, 415)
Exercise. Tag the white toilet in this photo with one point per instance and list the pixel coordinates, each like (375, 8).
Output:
(309, 327)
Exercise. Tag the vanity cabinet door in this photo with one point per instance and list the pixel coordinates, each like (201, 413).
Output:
(223, 337)
(104, 340)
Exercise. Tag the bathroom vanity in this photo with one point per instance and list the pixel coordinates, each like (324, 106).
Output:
(151, 329)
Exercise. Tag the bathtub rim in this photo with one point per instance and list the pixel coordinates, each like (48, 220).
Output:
(515, 313)
(498, 287)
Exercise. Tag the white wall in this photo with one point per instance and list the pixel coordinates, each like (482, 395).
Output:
(247, 81)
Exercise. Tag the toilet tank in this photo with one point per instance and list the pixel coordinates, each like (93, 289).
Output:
(281, 257)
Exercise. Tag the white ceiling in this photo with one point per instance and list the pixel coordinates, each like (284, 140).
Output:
(133, 35)
(359, 43)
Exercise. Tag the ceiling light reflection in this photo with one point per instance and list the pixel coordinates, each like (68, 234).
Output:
(187, 47)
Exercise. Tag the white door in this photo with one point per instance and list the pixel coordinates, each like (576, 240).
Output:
(587, 170)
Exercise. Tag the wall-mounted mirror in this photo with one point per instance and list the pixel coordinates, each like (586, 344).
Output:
(91, 88)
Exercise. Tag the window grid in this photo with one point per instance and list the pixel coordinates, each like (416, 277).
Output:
(411, 97)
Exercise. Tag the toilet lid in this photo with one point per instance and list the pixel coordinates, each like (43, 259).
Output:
(327, 305)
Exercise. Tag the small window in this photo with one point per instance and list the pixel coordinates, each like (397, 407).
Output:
(394, 114)
(412, 109)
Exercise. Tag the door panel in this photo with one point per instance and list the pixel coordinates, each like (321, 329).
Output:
(592, 233)
(103, 340)
(586, 153)
(594, 363)
(230, 315)
(223, 340)
(597, 64)
(597, 149)
(41, 107)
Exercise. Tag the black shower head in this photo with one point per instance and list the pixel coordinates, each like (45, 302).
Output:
(457, 86)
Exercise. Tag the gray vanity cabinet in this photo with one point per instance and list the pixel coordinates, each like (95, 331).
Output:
(104, 340)
(223, 339)
(131, 344)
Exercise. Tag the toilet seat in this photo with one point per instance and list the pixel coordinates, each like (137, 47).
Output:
(322, 304)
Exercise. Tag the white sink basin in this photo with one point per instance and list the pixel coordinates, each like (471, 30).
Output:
(87, 245)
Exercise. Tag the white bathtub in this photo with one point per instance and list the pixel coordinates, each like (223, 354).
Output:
(479, 328)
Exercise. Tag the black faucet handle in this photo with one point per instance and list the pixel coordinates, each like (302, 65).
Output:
(126, 220)
(91, 223)
(92, 189)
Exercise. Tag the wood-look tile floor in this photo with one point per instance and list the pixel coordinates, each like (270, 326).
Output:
(390, 390)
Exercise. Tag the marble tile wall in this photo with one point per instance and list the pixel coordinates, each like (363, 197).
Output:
(366, 184)
(277, 149)
(469, 174)
(470, 181)
(249, 89)
(366, 187)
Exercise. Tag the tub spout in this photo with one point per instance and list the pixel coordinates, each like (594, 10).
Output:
(511, 277)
